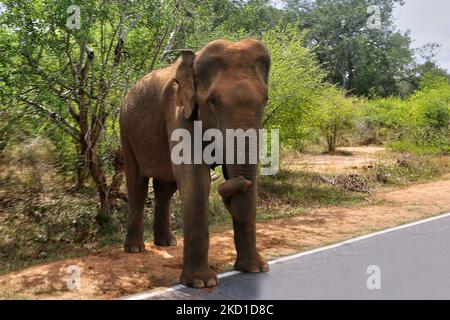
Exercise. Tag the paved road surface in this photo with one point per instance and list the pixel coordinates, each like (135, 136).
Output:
(413, 260)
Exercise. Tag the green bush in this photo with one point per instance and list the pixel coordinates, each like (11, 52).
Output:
(334, 115)
(419, 124)
(295, 85)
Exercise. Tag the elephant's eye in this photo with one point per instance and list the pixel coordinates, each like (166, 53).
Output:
(212, 100)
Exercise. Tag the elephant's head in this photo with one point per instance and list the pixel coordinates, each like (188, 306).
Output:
(225, 86)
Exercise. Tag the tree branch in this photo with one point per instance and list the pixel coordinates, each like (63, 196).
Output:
(53, 116)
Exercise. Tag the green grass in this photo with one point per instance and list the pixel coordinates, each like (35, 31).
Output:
(302, 188)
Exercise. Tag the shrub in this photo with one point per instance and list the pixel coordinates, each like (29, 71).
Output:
(295, 84)
(420, 124)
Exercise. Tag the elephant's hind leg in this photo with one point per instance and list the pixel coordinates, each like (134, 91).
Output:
(162, 232)
(137, 187)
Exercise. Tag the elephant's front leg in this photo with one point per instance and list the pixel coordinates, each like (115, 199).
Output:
(194, 185)
(239, 197)
(248, 259)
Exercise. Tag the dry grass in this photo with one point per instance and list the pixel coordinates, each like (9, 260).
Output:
(43, 219)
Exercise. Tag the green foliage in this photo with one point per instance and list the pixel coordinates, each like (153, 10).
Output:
(433, 103)
(335, 114)
(420, 124)
(382, 120)
(295, 84)
(301, 105)
(361, 60)
(212, 19)
(70, 83)
(301, 188)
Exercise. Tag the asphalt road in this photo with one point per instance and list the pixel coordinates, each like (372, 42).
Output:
(409, 262)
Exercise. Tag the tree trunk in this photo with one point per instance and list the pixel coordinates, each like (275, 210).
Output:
(81, 174)
(95, 168)
(116, 182)
(331, 139)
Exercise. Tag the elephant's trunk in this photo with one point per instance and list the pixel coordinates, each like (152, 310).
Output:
(239, 191)
(232, 186)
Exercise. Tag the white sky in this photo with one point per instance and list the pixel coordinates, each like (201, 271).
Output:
(429, 21)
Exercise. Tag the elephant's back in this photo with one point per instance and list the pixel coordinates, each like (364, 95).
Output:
(145, 95)
(142, 124)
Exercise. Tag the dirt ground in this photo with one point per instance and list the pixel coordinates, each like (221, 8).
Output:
(357, 158)
(112, 273)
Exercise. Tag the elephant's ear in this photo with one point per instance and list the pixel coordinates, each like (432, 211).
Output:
(185, 79)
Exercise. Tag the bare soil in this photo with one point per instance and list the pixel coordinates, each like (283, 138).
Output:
(356, 158)
(112, 273)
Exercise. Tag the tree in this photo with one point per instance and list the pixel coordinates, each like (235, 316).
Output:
(424, 74)
(361, 60)
(336, 113)
(68, 79)
(295, 83)
(213, 19)
(74, 76)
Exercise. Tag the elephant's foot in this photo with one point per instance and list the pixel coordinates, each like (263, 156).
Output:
(251, 264)
(199, 278)
(133, 246)
(165, 239)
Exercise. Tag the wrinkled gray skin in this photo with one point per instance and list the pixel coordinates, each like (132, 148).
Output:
(225, 86)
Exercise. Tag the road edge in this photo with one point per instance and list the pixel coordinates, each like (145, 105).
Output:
(159, 291)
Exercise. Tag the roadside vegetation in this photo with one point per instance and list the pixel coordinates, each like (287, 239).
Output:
(62, 192)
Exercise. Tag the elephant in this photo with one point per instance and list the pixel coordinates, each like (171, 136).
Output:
(225, 86)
